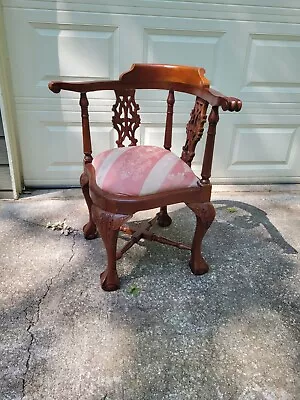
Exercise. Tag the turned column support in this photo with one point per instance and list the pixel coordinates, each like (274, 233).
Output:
(163, 218)
(209, 146)
(169, 120)
(86, 136)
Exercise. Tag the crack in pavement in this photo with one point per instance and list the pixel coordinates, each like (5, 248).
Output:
(34, 318)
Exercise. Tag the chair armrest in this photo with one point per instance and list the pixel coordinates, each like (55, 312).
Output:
(216, 98)
(83, 87)
(210, 95)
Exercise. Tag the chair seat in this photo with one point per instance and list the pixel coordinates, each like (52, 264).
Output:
(142, 170)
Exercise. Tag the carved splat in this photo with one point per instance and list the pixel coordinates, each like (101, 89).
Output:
(126, 119)
(194, 130)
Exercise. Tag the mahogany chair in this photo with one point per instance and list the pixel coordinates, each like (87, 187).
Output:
(119, 182)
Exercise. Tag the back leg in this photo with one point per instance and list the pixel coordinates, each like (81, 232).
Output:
(89, 229)
(163, 218)
(205, 214)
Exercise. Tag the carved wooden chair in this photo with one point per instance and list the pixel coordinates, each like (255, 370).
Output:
(121, 181)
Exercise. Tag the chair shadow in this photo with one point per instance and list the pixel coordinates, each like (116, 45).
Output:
(241, 215)
(255, 217)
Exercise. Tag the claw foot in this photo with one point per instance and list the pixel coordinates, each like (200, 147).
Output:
(163, 219)
(200, 267)
(109, 281)
(90, 231)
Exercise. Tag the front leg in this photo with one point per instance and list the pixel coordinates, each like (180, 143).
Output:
(108, 226)
(89, 229)
(205, 214)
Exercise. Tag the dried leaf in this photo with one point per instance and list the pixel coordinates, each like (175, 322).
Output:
(61, 226)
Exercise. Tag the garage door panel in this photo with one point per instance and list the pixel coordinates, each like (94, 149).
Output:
(273, 62)
(72, 44)
(66, 51)
(62, 158)
(271, 65)
(175, 46)
(261, 146)
(52, 152)
(205, 43)
(272, 149)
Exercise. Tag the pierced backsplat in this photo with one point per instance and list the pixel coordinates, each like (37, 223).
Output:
(194, 130)
(126, 119)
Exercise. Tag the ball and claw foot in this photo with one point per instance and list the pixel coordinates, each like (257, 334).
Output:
(109, 281)
(90, 231)
(200, 267)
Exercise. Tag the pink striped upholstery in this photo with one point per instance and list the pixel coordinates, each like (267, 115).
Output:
(141, 170)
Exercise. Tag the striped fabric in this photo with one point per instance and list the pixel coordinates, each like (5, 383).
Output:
(141, 170)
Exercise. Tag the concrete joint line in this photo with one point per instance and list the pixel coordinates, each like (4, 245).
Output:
(34, 319)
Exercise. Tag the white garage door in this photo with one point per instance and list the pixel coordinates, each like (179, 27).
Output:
(250, 50)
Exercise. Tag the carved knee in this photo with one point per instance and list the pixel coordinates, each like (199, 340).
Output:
(205, 211)
(84, 180)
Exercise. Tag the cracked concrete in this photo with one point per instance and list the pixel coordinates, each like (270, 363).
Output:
(32, 320)
(30, 324)
(35, 315)
(231, 334)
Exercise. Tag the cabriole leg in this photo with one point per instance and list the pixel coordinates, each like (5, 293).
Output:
(89, 229)
(163, 218)
(108, 225)
(205, 214)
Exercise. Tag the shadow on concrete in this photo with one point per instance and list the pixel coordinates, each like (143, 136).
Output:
(255, 217)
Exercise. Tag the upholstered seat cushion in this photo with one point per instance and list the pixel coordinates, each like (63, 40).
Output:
(142, 170)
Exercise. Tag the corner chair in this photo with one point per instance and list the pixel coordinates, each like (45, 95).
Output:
(122, 181)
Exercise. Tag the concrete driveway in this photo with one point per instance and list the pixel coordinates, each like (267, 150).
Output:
(166, 334)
